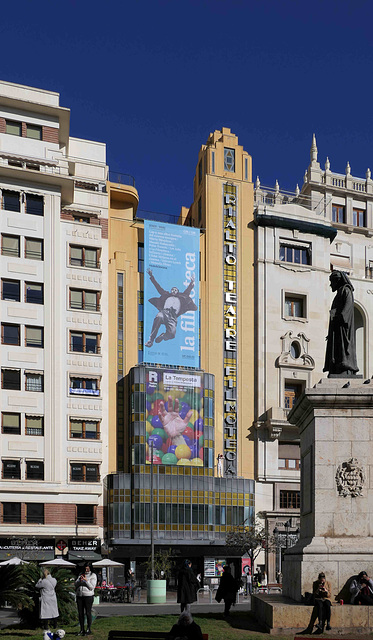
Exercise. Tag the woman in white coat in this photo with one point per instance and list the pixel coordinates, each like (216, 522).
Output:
(48, 599)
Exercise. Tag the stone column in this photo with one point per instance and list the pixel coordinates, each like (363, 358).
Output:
(335, 421)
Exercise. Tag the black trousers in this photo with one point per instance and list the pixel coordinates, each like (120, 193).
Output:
(364, 599)
(228, 604)
(84, 604)
(323, 610)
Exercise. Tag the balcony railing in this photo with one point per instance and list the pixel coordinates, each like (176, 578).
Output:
(86, 520)
(121, 178)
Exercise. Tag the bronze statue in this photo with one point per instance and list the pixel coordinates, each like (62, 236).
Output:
(340, 357)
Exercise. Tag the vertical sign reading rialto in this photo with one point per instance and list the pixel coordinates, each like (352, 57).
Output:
(230, 327)
(171, 294)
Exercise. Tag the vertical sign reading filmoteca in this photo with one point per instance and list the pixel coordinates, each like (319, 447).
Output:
(230, 328)
(171, 294)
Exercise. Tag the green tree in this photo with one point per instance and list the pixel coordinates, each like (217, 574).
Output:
(163, 564)
(64, 592)
(12, 587)
(248, 539)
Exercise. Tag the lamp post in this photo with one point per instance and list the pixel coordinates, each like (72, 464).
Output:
(151, 510)
(287, 526)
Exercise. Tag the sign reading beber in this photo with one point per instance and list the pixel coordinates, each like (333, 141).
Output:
(171, 294)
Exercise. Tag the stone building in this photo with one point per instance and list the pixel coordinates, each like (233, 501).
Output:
(54, 346)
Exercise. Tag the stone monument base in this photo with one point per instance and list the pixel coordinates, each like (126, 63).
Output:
(280, 615)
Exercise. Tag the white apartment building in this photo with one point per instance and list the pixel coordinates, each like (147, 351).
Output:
(300, 238)
(53, 308)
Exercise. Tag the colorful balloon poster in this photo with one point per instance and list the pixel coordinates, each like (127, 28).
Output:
(174, 417)
(171, 294)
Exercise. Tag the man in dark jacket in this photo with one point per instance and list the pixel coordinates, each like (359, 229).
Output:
(187, 585)
(170, 305)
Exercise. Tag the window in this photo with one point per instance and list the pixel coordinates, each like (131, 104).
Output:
(34, 204)
(34, 249)
(292, 393)
(34, 425)
(10, 333)
(84, 429)
(11, 379)
(295, 349)
(84, 472)
(200, 172)
(296, 254)
(289, 499)
(14, 163)
(199, 211)
(33, 131)
(338, 213)
(12, 512)
(140, 257)
(81, 218)
(34, 337)
(229, 159)
(11, 290)
(11, 469)
(34, 382)
(84, 342)
(13, 128)
(358, 218)
(11, 423)
(295, 306)
(34, 470)
(84, 257)
(84, 386)
(34, 513)
(83, 299)
(11, 201)
(10, 245)
(34, 293)
(85, 514)
(288, 455)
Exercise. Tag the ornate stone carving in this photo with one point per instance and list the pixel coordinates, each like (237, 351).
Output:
(350, 478)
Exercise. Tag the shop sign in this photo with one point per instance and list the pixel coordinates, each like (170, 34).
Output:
(77, 545)
(26, 544)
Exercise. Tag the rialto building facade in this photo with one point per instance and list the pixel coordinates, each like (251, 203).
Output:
(54, 342)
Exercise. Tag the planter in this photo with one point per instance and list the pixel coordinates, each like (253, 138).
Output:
(156, 593)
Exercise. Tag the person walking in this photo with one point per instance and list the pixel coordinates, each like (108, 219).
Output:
(48, 600)
(187, 585)
(85, 591)
(227, 590)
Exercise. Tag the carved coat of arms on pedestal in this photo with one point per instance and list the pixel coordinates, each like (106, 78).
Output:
(350, 478)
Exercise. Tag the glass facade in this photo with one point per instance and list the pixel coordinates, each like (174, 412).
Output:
(189, 502)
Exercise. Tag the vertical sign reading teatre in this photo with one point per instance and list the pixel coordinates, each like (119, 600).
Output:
(230, 327)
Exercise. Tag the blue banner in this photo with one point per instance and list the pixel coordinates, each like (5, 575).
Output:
(171, 294)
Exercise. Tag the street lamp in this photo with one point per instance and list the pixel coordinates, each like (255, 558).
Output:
(287, 526)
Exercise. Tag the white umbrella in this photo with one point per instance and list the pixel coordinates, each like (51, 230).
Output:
(57, 562)
(107, 563)
(14, 560)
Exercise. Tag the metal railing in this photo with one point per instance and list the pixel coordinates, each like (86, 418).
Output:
(121, 178)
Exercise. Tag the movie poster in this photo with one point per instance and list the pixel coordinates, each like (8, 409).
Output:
(174, 417)
(171, 294)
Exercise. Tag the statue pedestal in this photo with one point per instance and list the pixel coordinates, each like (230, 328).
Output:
(335, 421)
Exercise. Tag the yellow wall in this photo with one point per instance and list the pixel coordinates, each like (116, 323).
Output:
(124, 235)
(123, 239)
(211, 192)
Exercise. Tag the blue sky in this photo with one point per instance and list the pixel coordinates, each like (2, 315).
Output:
(153, 78)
